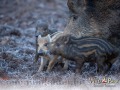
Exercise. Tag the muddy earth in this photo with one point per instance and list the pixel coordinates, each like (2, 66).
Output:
(18, 19)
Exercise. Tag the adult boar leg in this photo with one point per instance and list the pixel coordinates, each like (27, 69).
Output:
(109, 65)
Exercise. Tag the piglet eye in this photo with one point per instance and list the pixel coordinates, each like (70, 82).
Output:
(46, 44)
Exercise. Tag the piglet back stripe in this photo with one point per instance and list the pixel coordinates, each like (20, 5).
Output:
(108, 47)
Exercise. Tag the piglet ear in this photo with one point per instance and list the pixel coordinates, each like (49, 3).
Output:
(48, 38)
(39, 36)
(67, 40)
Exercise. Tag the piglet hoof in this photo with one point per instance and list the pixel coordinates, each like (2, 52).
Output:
(39, 71)
(78, 72)
(48, 71)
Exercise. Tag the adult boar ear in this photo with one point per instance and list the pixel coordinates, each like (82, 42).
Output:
(73, 5)
(82, 2)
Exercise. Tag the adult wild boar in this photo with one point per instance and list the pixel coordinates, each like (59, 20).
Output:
(85, 49)
(100, 18)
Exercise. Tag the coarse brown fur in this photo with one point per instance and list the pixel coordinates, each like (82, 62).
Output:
(99, 18)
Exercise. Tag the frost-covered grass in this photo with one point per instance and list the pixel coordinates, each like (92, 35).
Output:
(57, 81)
(57, 87)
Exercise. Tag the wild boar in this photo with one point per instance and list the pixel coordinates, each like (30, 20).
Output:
(100, 18)
(85, 49)
(41, 41)
(43, 30)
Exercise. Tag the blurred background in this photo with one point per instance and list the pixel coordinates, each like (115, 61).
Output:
(18, 19)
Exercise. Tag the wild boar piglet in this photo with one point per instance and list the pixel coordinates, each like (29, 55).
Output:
(85, 49)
